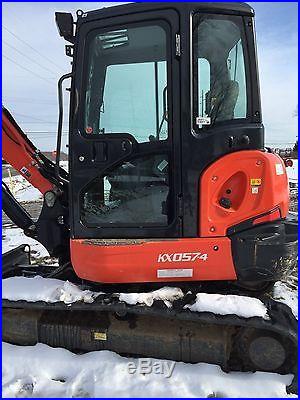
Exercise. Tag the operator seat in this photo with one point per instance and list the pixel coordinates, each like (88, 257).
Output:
(226, 99)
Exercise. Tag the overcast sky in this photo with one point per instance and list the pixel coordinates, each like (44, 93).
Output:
(33, 58)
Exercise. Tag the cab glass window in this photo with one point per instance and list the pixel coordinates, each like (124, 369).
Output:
(126, 89)
(219, 78)
(133, 193)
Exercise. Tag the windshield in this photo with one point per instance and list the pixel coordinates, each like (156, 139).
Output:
(218, 71)
(126, 89)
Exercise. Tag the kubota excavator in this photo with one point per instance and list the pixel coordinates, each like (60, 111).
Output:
(169, 183)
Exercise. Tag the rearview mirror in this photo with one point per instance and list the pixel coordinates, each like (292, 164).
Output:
(64, 22)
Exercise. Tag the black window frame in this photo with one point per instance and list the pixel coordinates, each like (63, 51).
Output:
(240, 23)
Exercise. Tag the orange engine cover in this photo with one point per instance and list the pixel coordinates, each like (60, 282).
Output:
(252, 183)
(152, 260)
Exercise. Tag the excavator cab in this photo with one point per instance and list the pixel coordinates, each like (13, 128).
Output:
(167, 145)
(154, 101)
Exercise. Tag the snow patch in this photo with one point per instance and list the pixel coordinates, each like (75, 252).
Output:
(43, 371)
(64, 165)
(22, 190)
(14, 237)
(284, 294)
(242, 306)
(166, 294)
(44, 289)
(54, 290)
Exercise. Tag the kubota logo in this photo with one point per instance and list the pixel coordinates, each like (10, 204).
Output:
(181, 257)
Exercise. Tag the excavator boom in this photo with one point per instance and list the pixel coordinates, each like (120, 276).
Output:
(40, 172)
(21, 153)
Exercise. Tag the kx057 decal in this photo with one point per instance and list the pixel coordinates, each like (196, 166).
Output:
(181, 257)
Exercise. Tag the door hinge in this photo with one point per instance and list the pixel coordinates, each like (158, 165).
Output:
(177, 45)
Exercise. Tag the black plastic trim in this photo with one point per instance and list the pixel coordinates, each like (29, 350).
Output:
(267, 252)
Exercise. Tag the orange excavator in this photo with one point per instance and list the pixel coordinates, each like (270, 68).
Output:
(169, 184)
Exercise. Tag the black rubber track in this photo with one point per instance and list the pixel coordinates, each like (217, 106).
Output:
(234, 343)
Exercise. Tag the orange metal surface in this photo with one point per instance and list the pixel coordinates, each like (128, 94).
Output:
(198, 259)
(19, 154)
(273, 216)
(255, 182)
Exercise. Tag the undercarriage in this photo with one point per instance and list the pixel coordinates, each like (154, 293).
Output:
(170, 323)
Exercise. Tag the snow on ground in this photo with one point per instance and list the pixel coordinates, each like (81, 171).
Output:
(287, 296)
(64, 165)
(14, 237)
(22, 189)
(42, 371)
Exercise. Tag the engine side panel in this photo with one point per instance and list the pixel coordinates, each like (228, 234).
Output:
(241, 186)
(126, 261)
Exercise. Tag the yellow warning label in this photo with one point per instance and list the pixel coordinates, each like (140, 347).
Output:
(255, 181)
(100, 336)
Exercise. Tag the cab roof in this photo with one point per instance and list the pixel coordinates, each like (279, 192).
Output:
(130, 8)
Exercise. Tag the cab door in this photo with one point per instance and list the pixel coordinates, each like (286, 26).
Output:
(125, 167)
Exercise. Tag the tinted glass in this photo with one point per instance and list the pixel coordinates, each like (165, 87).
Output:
(133, 193)
(220, 92)
(127, 83)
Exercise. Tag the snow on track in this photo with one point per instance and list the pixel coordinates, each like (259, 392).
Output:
(42, 371)
(166, 294)
(242, 306)
(42, 289)
(54, 290)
